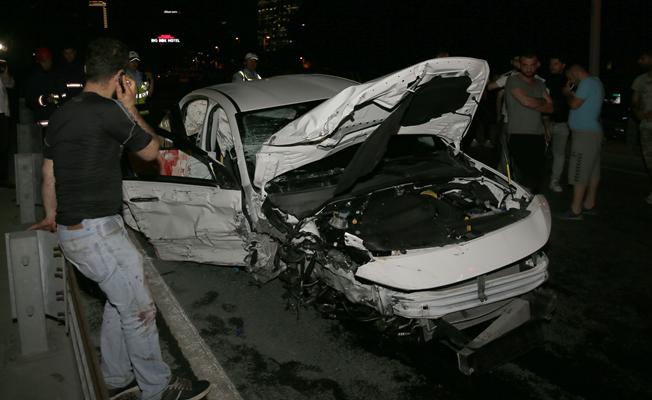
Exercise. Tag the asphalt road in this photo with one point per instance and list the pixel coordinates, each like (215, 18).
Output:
(598, 341)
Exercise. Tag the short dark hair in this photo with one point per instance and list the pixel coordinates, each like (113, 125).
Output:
(560, 57)
(104, 58)
(528, 54)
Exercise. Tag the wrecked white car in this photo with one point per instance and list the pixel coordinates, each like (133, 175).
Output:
(361, 188)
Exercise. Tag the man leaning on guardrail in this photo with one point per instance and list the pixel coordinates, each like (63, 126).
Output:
(82, 153)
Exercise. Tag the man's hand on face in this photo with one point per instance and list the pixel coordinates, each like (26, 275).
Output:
(568, 89)
(126, 92)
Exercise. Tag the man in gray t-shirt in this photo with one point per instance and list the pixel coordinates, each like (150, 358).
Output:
(526, 98)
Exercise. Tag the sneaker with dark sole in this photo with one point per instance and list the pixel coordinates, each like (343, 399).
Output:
(117, 393)
(185, 389)
(569, 216)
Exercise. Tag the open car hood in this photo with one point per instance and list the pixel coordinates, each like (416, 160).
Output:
(437, 97)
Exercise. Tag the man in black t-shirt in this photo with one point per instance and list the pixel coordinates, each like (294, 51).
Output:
(559, 119)
(82, 195)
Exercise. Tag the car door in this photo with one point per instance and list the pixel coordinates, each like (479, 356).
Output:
(187, 204)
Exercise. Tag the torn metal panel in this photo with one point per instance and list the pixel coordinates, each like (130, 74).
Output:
(189, 222)
(222, 131)
(435, 303)
(195, 115)
(362, 107)
(262, 260)
(223, 252)
(344, 282)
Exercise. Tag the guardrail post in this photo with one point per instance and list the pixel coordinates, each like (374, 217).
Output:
(29, 138)
(25, 115)
(28, 185)
(27, 290)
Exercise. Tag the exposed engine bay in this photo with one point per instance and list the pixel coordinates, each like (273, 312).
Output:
(446, 201)
(427, 198)
(431, 199)
(412, 216)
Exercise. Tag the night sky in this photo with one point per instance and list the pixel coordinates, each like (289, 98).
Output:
(359, 39)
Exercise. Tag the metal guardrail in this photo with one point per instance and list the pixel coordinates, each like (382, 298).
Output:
(42, 283)
(88, 364)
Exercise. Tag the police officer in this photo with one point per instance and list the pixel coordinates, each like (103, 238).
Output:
(144, 83)
(42, 92)
(248, 73)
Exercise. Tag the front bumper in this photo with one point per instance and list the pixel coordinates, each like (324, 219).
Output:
(478, 292)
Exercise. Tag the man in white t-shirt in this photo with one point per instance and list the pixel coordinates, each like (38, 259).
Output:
(642, 107)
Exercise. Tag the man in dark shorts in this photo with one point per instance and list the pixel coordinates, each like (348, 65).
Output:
(83, 147)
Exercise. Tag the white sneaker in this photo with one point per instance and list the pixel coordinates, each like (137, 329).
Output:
(555, 187)
(648, 199)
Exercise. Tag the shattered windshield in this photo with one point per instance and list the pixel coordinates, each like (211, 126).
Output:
(257, 126)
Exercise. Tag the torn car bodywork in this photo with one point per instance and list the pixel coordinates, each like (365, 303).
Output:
(368, 194)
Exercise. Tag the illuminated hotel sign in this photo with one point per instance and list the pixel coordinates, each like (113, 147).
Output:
(165, 39)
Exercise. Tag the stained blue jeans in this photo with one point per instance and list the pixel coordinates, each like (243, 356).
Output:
(103, 252)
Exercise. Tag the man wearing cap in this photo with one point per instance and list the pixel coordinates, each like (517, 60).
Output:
(144, 82)
(70, 74)
(42, 91)
(248, 73)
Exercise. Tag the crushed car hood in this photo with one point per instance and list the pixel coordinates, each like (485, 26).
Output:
(443, 95)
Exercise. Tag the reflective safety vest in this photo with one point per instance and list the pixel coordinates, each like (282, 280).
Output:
(247, 77)
(142, 91)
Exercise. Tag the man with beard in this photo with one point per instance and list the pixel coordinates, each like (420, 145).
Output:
(526, 98)
(82, 197)
(584, 121)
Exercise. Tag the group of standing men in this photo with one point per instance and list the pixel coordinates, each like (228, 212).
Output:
(536, 113)
(49, 86)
